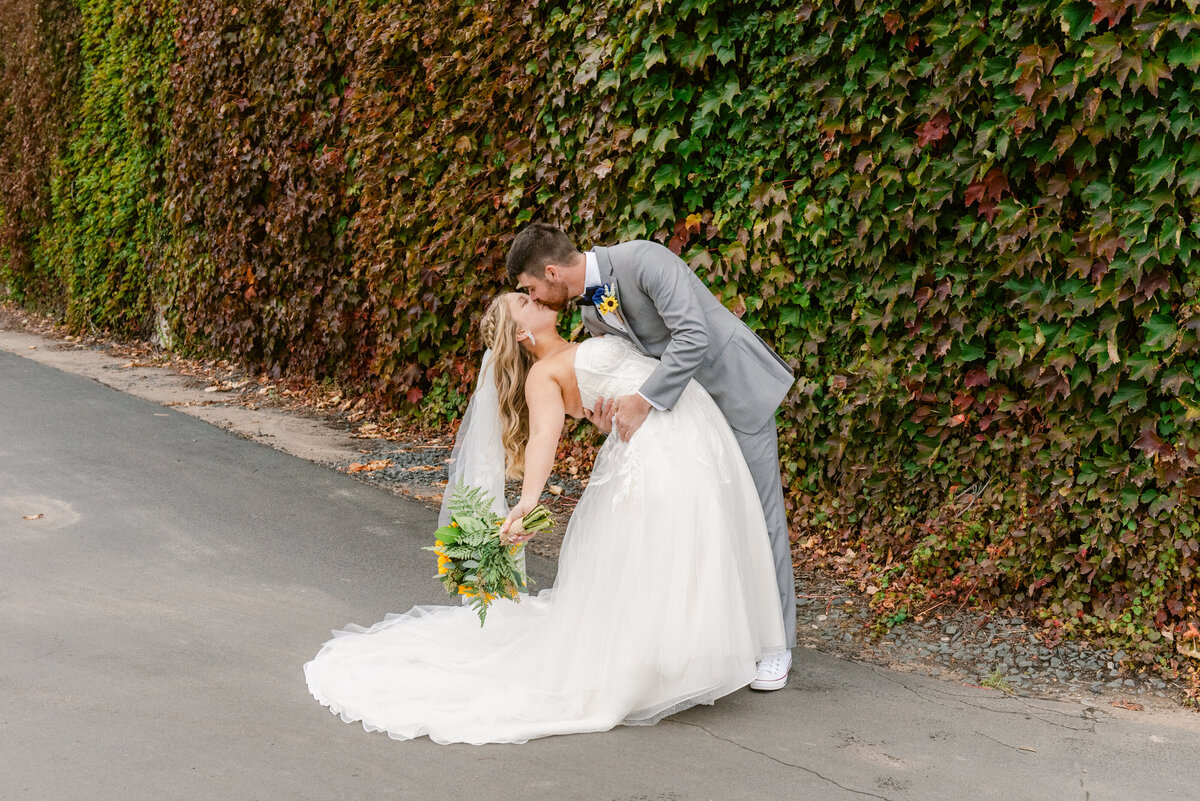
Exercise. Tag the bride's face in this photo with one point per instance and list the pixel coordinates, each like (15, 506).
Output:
(528, 314)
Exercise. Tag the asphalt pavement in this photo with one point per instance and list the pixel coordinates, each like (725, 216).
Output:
(154, 620)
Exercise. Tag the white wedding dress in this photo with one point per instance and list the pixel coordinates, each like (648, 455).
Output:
(665, 597)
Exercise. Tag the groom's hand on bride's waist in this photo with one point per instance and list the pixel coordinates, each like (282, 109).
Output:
(628, 414)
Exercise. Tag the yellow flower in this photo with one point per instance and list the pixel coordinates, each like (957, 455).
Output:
(608, 305)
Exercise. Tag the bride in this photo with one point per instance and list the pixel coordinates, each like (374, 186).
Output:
(665, 595)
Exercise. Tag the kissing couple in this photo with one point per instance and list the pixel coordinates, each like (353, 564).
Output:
(674, 584)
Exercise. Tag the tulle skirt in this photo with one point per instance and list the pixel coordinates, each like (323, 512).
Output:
(665, 598)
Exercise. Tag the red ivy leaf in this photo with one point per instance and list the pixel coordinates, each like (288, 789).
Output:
(1111, 10)
(892, 21)
(934, 129)
(1152, 445)
(976, 378)
(683, 233)
(1022, 120)
(995, 183)
(1027, 85)
(985, 193)
(975, 192)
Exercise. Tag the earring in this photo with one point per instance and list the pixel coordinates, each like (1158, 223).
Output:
(532, 341)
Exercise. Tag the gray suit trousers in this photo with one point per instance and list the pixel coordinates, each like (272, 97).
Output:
(761, 451)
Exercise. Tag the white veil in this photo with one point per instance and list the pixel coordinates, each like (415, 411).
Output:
(478, 456)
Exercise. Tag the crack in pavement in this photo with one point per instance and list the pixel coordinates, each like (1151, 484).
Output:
(1023, 749)
(823, 778)
(964, 701)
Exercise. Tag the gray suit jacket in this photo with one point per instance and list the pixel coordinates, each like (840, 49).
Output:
(670, 314)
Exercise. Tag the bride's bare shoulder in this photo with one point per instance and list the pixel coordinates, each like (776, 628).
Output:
(564, 361)
(554, 368)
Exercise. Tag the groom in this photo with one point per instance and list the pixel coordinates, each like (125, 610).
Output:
(642, 291)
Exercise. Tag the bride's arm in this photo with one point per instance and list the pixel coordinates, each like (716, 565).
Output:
(547, 413)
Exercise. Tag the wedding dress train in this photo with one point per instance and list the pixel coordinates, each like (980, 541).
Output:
(665, 597)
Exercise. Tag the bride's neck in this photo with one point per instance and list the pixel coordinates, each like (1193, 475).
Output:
(548, 346)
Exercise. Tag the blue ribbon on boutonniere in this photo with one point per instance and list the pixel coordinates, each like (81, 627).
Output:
(603, 297)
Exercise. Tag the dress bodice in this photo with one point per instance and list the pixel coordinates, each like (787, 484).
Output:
(609, 367)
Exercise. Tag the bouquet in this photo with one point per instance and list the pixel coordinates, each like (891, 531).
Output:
(472, 561)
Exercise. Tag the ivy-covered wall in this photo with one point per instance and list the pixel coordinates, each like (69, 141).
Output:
(107, 237)
(39, 66)
(968, 223)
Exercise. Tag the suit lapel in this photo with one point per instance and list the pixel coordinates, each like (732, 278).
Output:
(604, 261)
(594, 321)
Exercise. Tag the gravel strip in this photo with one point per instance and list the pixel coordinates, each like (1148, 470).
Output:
(977, 648)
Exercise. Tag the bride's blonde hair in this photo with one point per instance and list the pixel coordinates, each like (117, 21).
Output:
(510, 364)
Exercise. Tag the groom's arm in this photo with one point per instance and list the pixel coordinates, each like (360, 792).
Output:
(670, 285)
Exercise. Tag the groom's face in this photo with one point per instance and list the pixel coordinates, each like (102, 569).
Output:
(548, 289)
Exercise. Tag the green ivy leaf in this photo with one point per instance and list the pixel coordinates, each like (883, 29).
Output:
(1161, 333)
(1077, 19)
(1185, 54)
(662, 138)
(1098, 193)
(1157, 171)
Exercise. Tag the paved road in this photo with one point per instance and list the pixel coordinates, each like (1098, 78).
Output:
(154, 621)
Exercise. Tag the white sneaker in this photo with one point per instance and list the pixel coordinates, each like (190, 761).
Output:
(773, 671)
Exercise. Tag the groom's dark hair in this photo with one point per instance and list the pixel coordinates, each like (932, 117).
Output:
(537, 245)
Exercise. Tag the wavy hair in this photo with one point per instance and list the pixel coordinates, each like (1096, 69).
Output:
(511, 364)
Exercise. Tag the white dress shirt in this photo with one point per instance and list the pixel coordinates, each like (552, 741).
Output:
(591, 277)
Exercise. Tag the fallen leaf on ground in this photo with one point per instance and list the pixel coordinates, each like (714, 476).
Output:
(213, 388)
(38, 516)
(369, 467)
(1130, 705)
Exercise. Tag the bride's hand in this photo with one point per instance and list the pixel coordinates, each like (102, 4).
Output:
(511, 531)
(601, 417)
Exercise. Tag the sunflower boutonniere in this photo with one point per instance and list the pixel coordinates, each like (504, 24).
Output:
(604, 298)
